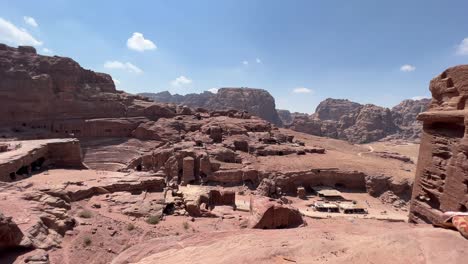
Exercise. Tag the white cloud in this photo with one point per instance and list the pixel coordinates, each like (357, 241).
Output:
(122, 66)
(245, 62)
(13, 35)
(407, 68)
(213, 90)
(116, 82)
(138, 42)
(419, 97)
(47, 51)
(30, 21)
(258, 60)
(181, 81)
(302, 90)
(462, 48)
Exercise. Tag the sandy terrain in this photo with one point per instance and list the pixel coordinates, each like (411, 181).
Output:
(322, 241)
(340, 154)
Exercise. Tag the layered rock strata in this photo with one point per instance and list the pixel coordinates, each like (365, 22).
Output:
(441, 182)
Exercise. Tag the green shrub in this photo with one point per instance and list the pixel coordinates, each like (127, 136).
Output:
(85, 214)
(87, 241)
(130, 227)
(153, 220)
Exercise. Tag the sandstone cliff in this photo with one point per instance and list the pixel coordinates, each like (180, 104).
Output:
(356, 123)
(441, 182)
(57, 95)
(258, 102)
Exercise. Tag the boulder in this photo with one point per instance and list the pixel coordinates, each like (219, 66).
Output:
(10, 234)
(267, 213)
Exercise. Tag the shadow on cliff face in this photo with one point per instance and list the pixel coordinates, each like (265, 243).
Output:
(10, 255)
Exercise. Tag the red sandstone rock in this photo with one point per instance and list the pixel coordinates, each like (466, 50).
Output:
(255, 101)
(10, 235)
(441, 182)
(267, 213)
(356, 123)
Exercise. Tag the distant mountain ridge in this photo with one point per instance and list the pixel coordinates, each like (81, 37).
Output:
(357, 123)
(334, 118)
(258, 102)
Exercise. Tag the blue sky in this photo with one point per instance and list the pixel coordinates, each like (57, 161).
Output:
(300, 51)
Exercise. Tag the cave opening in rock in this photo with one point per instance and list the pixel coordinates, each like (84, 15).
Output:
(139, 167)
(22, 171)
(13, 176)
(169, 209)
(433, 200)
(37, 164)
(462, 208)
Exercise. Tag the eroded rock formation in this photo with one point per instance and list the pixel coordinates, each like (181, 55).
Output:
(267, 213)
(55, 95)
(441, 182)
(26, 157)
(257, 102)
(356, 123)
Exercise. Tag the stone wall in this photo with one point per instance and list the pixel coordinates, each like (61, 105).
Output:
(441, 182)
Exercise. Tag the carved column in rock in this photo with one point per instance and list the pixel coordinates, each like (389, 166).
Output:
(188, 170)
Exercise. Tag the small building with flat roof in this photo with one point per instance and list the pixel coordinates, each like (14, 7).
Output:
(328, 193)
(326, 207)
(352, 208)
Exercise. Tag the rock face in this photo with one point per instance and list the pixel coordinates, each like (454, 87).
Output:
(356, 123)
(258, 102)
(404, 116)
(56, 95)
(287, 117)
(267, 213)
(441, 182)
(10, 234)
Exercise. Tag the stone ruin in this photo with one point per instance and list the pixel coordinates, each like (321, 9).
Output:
(441, 182)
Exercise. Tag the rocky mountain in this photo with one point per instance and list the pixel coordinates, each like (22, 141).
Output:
(356, 123)
(52, 92)
(404, 116)
(258, 102)
(287, 117)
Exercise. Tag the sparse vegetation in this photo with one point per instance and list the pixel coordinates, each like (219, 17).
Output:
(186, 225)
(85, 214)
(153, 220)
(87, 241)
(130, 227)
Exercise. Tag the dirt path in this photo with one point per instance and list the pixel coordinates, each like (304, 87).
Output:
(371, 149)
